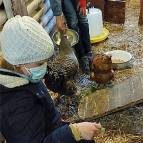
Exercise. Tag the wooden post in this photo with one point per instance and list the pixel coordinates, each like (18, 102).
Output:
(0, 2)
(3, 18)
(15, 7)
(8, 8)
(19, 7)
(141, 13)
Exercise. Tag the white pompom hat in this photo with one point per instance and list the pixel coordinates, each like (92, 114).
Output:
(23, 40)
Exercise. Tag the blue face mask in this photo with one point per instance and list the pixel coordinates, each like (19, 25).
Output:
(36, 73)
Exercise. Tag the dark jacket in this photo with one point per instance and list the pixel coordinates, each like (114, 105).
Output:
(28, 115)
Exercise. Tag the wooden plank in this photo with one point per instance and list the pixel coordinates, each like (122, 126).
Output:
(109, 100)
(33, 6)
(8, 8)
(19, 7)
(38, 14)
(0, 2)
(141, 13)
(3, 18)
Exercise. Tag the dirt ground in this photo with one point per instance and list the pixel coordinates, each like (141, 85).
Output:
(126, 37)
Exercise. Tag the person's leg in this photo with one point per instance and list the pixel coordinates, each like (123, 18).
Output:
(84, 37)
(72, 22)
(70, 13)
(84, 32)
(83, 28)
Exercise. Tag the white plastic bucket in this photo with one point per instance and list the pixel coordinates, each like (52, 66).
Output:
(95, 22)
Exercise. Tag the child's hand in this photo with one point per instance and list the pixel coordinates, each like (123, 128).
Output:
(88, 130)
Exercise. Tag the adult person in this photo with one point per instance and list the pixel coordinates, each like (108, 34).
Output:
(75, 14)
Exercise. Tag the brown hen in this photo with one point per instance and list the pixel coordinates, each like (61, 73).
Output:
(102, 68)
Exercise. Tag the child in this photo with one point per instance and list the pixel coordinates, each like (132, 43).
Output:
(27, 112)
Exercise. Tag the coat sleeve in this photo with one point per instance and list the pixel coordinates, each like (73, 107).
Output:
(56, 7)
(82, 3)
(60, 135)
(52, 115)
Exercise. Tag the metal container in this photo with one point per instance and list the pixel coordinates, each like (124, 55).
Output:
(72, 35)
(120, 59)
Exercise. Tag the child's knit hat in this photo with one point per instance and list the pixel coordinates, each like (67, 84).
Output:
(23, 40)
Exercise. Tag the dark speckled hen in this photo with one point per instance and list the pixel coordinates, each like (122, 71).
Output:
(62, 69)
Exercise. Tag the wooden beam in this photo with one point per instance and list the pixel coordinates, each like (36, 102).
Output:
(19, 7)
(141, 13)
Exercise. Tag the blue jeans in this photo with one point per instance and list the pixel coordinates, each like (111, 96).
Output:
(78, 23)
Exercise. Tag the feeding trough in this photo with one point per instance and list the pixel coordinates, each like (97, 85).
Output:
(120, 59)
(96, 30)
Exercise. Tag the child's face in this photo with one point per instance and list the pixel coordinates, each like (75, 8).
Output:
(31, 65)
